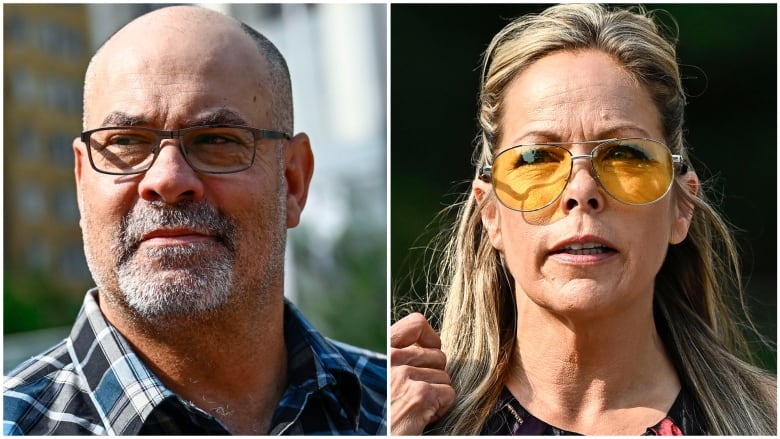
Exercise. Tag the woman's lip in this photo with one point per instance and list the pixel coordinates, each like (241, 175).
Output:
(583, 259)
(561, 247)
(564, 255)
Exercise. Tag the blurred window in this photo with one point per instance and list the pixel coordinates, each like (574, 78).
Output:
(23, 86)
(65, 205)
(37, 254)
(60, 149)
(27, 143)
(31, 199)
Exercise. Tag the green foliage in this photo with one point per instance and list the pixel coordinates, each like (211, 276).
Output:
(341, 286)
(31, 301)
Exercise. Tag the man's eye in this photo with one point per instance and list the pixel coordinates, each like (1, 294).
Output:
(128, 140)
(125, 139)
(214, 139)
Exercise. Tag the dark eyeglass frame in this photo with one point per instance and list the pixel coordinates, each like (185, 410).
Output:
(257, 135)
(680, 167)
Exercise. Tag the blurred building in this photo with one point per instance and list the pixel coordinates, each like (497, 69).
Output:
(337, 58)
(46, 50)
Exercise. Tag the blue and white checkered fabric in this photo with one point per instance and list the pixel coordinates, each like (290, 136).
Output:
(93, 383)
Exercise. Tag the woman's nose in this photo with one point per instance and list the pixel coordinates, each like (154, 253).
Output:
(582, 191)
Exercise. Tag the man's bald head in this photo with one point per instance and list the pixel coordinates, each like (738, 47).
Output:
(197, 24)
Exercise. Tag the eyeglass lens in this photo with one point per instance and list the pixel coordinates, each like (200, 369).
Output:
(634, 171)
(209, 149)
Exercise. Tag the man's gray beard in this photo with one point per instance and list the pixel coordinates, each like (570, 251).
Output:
(176, 280)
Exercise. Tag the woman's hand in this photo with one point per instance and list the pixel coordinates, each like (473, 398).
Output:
(420, 389)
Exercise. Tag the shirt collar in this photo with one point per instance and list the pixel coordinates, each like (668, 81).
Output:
(316, 365)
(125, 391)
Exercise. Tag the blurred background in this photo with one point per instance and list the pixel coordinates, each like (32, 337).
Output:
(337, 257)
(729, 64)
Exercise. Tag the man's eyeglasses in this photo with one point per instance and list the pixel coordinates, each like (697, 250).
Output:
(633, 171)
(214, 149)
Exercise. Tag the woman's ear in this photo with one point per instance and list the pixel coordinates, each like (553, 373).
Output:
(491, 218)
(684, 208)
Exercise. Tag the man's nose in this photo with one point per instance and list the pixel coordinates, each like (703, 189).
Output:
(170, 179)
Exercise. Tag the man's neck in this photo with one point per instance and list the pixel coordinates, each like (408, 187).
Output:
(231, 363)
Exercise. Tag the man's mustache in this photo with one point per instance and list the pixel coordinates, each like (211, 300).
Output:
(197, 216)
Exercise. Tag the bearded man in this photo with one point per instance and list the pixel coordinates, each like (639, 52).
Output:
(188, 176)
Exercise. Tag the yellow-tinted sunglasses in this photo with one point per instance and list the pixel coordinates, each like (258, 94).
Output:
(634, 171)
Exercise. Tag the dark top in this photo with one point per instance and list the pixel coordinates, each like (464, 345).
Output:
(510, 418)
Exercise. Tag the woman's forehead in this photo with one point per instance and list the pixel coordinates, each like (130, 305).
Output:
(576, 96)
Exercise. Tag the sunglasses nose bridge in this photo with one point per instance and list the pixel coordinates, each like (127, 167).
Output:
(586, 164)
(581, 156)
(582, 189)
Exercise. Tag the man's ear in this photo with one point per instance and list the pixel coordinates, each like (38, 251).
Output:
(488, 211)
(298, 169)
(80, 157)
(684, 209)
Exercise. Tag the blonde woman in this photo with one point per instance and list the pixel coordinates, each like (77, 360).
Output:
(585, 282)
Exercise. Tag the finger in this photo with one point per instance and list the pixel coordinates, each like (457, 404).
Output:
(417, 404)
(417, 356)
(412, 329)
(403, 374)
(445, 399)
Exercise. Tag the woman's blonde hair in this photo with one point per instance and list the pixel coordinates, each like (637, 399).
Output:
(692, 289)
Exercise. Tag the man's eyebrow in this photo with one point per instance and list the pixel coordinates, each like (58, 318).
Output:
(119, 118)
(222, 116)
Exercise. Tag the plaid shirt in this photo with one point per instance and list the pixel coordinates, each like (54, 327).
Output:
(93, 383)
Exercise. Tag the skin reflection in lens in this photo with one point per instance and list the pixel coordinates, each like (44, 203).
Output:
(635, 185)
(638, 180)
(529, 186)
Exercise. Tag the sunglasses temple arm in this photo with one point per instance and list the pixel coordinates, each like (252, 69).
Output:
(486, 174)
(680, 165)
